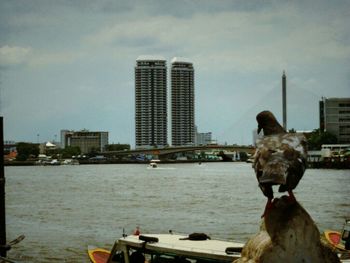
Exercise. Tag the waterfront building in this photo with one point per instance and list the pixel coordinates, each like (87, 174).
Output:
(182, 102)
(204, 138)
(335, 117)
(151, 102)
(9, 146)
(10, 150)
(87, 141)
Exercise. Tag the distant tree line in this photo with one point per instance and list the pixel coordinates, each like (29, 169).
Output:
(318, 137)
(26, 150)
(117, 147)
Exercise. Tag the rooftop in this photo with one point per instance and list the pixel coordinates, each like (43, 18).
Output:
(150, 58)
(181, 59)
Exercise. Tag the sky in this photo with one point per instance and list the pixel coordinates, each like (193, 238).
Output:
(69, 64)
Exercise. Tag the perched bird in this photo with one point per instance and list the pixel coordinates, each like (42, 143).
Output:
(280, 158)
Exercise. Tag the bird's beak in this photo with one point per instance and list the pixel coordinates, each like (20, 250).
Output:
(259, 129)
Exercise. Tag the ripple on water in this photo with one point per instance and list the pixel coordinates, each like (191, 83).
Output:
(62, 210)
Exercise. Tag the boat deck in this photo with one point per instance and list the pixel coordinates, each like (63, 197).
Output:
(173, 244)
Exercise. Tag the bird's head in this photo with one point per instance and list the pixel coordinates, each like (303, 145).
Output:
(268, 123)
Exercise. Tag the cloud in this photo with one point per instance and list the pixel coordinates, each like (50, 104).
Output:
(44, 58)
(13, 55)
(247, 41)
(81, 54)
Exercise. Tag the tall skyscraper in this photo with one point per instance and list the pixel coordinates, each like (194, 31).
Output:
(182, 102)
(151, 102)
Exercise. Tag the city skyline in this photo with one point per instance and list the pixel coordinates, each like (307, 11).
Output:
(69, 65)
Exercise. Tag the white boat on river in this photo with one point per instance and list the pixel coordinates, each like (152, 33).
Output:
(152, 165)
(196, 247)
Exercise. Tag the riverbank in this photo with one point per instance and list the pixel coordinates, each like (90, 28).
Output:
(109, 161)
(329, 164)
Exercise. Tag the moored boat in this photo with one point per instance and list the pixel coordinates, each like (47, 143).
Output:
(196, 247)
(339, 240)
(98, 255)
(334, 238)
(153, 165)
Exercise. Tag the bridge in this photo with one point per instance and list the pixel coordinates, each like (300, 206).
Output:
(180, 149)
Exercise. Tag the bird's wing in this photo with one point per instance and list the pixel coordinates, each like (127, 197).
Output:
(261, 157)
(282, 142)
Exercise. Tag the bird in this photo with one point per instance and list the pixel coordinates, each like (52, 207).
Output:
(280, 158)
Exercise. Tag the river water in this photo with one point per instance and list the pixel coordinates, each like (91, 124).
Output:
(63, 209)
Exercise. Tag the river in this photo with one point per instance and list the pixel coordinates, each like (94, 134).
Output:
(63, 209)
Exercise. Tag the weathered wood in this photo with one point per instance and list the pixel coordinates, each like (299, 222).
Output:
(287, 234)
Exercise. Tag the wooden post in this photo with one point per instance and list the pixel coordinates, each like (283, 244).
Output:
(2, 193)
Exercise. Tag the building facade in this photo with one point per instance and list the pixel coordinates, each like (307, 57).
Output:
(182, 102)
(151, 102)
(87, 141)
(203, 138)
(335, 117)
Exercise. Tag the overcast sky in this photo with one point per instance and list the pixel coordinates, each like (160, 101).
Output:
(68, 64)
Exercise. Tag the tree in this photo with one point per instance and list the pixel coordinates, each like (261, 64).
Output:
(25, 150)
(94, 151)
(318, 137)
(70, 151)
(117, 147)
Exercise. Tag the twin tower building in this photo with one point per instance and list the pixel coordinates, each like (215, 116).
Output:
(151, 106)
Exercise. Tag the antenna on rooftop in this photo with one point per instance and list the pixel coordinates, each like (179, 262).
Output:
(284, 99)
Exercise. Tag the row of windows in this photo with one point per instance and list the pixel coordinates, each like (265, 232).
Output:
(179, 120)
(177, 103)
(151, 64)
(148, 137)
(150, 140)
(182, 136)
(144, 104)
(182, 77)
(147, 126)
(185, 124)
(181, 66)
(151, 86)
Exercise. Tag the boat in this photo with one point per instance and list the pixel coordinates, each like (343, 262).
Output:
(339, 240)
(334, 238)
(196, 247)
(98, 255)
(153, 165)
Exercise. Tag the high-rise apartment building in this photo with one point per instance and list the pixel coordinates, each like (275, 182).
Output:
(151, 102)
(182, 102)
(335, 117)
